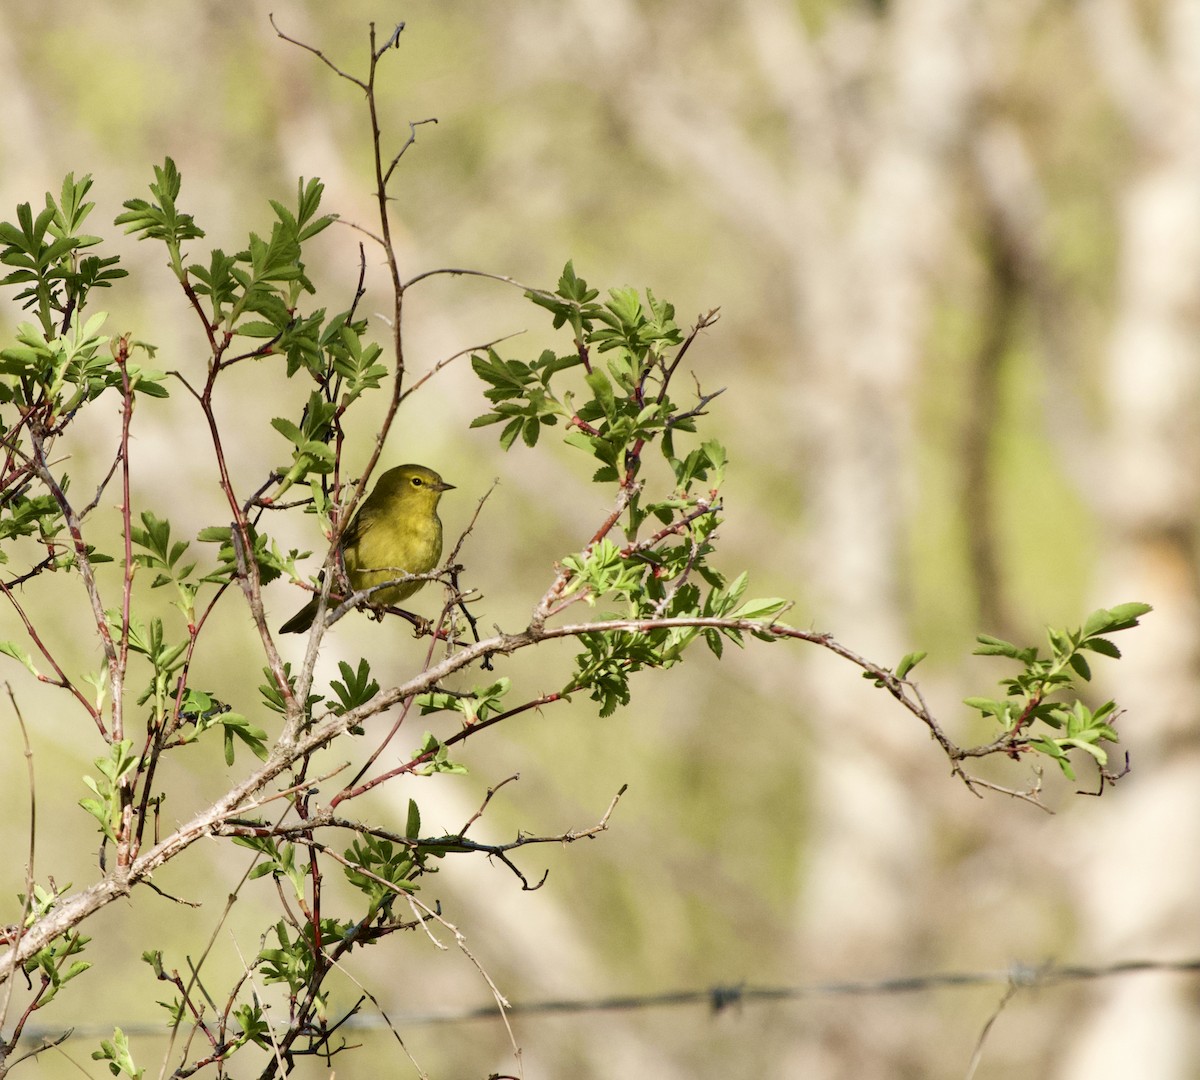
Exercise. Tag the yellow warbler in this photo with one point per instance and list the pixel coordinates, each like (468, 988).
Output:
(396, 531)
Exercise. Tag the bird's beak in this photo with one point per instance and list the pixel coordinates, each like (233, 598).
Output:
(443, 486)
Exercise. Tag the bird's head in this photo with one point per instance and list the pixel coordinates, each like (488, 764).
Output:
(412, 484)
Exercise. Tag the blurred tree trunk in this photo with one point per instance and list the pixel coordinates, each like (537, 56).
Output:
(867, 290)
(1150, 498)
(856, 210)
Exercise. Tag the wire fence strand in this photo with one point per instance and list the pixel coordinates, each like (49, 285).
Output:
(721, 997)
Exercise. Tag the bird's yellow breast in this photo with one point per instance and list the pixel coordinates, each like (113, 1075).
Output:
(392, 545)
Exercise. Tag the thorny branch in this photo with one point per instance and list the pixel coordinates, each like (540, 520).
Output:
(284, 756)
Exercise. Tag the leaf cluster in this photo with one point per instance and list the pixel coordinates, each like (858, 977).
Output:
(54, 279)
(613, 389)
(1042, 694)
(55, 964)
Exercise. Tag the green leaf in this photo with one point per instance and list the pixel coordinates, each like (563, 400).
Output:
(437, 758)
(106, 808)
(356, 688)
(9, 648)
(1088, 747)
(760, 609)
(160, 220)
(1080, 666)
(1109, 620)
(571, 287)
(994, 646)
(1059, 641)
(1101, 645)
(237, 726)
(908, 662)
(602, 388)
(1050, 748)
(987, 706)
(511, 430)
(117, 1053)
(288, 430)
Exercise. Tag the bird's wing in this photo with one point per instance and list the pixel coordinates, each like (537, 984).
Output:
(359, 525)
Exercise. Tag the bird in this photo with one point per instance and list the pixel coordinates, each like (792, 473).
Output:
(395, 531)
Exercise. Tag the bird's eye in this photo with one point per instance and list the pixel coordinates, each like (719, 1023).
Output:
(417, 481)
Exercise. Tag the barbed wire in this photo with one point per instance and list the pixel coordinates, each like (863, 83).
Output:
(720, 997)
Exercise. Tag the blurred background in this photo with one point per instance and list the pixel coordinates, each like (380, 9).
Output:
(956, 248)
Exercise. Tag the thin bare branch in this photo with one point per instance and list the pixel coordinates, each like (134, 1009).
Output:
(412, 138)
(320, 55)
(445, 361)
(32, 851)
